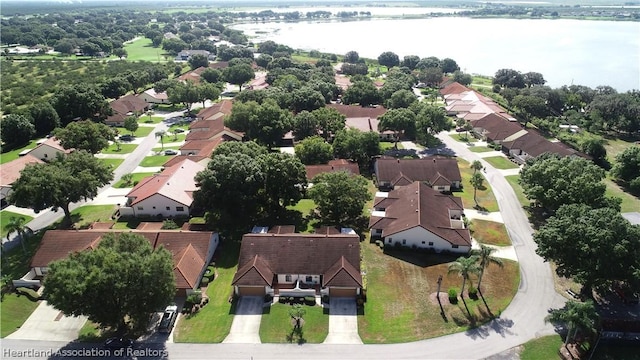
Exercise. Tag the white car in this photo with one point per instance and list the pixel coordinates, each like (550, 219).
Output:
(168, 319)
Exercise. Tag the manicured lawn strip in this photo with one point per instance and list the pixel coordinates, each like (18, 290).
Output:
(14, 310)
(500, 162)
(5, 157)
(485, 197)
(86, 215)
(481, 149)
(462, 137)
(5, 215)
(389, 145)
(490, 232)
(513, 180)
(276, 327)
(304, 207)
(141, 132)
(124, 149)
(174, 138)
(212, 323)
(630, 203)
(90, 332)
(156, 160)
(153, 120)
(136, 177)
(399, 308)
(615, 147)
(113, 162)
(304, 58)
(142, 50)
(543, 348)
(159, 148)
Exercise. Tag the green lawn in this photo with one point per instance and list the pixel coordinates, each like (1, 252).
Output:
(159, 148)
(141, 132)
(481, 149)
(14, 310)
(136, 177)
(276, 326)
(157, 160)
(490, 232)
(462, 137)
(500, 162)
(513, 180)
(543, 348)
(389, 145)
(5, 215)
(485, 196)
(124, 149)
(213, 322)
(153, 120)
(84, 216)
(174, 138)
(113, 162)
(5, 157)
(142, 50)
(615, 147)
(300, 213)
(629, 202)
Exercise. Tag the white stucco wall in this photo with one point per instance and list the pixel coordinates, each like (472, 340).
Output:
(294, 277)
(417, 235)
(160, 203)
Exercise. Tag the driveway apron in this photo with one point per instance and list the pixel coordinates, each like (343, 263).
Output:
(245, 328)
(47, 323)
(343, 322)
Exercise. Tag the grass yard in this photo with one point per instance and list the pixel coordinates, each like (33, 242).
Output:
(142, 50)
(160, 148)
(300, 212)
(14, 310)
(481, 149)
(462, 137)
(5, 157)
(124, 149)
(90, 332)
(5, 215)
(156, 160)
(543, 348)
(170, 138)
(485, 196)
(513, 180)
(150, 120)
(136, 178)
(389, 145)
(401, 304)
(490, 232)
(213, 322)
(615, 147)
(500, 162)
(276, 326)
(113, 162)
(84, 216)
(304, 58)
(629, 202)
(141, 132)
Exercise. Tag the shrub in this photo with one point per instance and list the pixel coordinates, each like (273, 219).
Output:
(195, 297)
(310, 300)
(473, 292)
(204, 281)
(169, 225)
(453, 296)
(325, 298)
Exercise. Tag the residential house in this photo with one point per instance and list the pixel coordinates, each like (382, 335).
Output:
(417, 216)
(128, 105)
(152, 97)
(48, 149)
(363, 118)
(167, 194)
(185, 55)
(494, 128)
(332, 166)
(191, 251)
(292, 264)
(440, 173)
(208, 131)
(470, 104)
(11, 172)
(532, 144)
(193, 75)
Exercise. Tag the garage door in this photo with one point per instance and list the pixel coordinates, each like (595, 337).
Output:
(251, 291)
(338, 292)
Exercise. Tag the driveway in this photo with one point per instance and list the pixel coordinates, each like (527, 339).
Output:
(47, 323)
(245, 328)
(343, 322)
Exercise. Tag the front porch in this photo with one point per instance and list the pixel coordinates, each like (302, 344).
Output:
(297, 289)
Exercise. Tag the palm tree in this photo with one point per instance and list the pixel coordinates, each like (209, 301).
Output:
(464, 266)
(476, 165)
(486, 258)
(477, 181)
(127, 178)
(161, 134)
(17, 224)
(577, 315)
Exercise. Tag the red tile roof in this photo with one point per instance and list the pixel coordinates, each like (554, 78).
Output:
(10, 172)
(356, 111)
(221, 109)
(433, 169)
(454, 88)
(332, 166)
(496, 127)
(178, 159)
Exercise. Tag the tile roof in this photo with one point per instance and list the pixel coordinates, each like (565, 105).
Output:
(419, 205)
(160, 96)
(432, 169)
(262, 255)
(128, 104)
(496, 127)
(223, 108)
(357, 111)
(175, 182)
(454, 88)
(193, 75)
(10, 171)
(53, 143)
(332, 166)
(535, 144)
(189, 249)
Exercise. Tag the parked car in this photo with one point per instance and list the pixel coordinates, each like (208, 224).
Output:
(459, 129)
(126, 137)
(170, 152)
(118, 343)
(178, 130)
(168, 319)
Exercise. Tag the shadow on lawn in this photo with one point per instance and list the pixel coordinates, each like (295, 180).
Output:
(420, 258)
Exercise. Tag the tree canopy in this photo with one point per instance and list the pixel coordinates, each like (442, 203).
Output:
(120, 284)
(356, 145)
(388, 59)
(85, 135)
(627, 167)
(81, 102)
(313, 151)
(340, 198)
(401, 121)
(16, 130)
(266, 123)
(238, 74)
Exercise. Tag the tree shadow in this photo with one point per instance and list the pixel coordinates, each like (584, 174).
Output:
(296, 336)
(485, 303)
(418, 257)
(499, 326)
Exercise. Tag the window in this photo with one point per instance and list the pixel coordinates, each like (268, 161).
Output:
(287, 278)
(154, 208)
(423, 243)
(140, 208)
(430, 243)
(168, 208)
(389, 241)
(309, 279)
(454, 246)
(179, 208)
(404, 241)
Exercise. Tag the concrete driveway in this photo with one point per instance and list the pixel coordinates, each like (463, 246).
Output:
(343, 322)
(47, 323)
(245, 328)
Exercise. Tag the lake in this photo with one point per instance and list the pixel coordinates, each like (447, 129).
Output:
(566, 52)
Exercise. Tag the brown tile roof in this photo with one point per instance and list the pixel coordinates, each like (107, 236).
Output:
(332, 166)
(53, 143)
(101, 225)
(399, 172)
(454, 88)
(193, 75)
(201, 147)
(178, 159)
(356, 111)
(128, 104)
(10, 172)
(419, 205)
(219, 64)
(145, 225)
(341, 274)
(282, 229)
(297, 254)
(189, 249)
(327, 230)
(535, 144)
(221, 109)
(496, 127)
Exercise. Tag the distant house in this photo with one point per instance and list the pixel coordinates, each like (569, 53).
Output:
(531, 144)
(216, 111)
(152, 97)
(193, 75)
(292, 264)
(167, 194)
(440, 173)
(48, 150)
(191, 251)
(209, 131)
(185, 55)
(470, 104)
(495, 128)
(417, 216)
(332, 166)
(11, 172)
(128, 105)
(363, 118)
